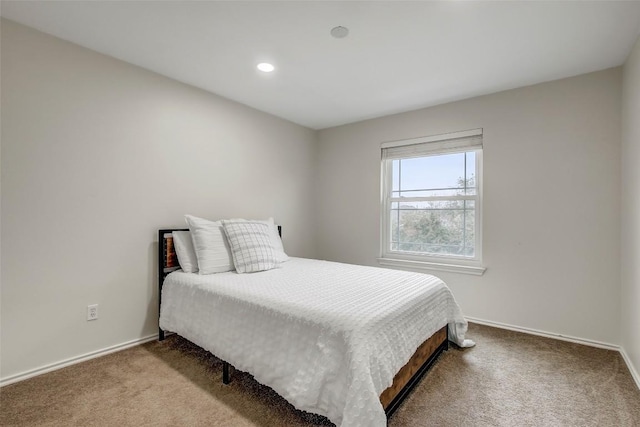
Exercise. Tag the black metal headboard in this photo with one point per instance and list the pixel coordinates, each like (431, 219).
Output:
(168, 261)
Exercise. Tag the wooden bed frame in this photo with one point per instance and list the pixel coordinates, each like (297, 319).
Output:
(404, 381)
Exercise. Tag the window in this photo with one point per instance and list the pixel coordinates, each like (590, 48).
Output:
(431, 202)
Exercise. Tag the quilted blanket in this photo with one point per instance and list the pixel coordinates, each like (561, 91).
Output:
(328, 337)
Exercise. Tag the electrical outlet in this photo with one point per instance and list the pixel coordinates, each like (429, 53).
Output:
(92, 312)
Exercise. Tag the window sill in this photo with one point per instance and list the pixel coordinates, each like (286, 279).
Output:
(432, 266)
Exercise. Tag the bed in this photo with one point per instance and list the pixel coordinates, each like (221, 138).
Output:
(347, 342)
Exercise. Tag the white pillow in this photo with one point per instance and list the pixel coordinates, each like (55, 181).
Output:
(210, 244)
(251, 246)
(274, 237)
(184, 250)
(276, 241)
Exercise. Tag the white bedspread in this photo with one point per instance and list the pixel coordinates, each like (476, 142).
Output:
(326, 336)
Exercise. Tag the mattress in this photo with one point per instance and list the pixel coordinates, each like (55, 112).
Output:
(328, 337)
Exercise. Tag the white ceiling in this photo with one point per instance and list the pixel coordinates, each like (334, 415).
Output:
(399, 56)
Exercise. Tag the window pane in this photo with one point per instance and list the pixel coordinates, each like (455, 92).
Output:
(430, 205)
(443, 175)
(436, 227)
(432, 173)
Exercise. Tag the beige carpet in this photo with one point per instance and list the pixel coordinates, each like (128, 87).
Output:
(508, 379)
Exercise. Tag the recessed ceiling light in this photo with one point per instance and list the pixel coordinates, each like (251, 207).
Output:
(339, 32)
(266, 67)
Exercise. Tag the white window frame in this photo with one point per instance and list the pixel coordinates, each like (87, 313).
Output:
(456, 142)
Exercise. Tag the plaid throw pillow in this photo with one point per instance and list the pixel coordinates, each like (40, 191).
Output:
(251, 246)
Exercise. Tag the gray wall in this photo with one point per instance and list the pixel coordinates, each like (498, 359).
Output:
(96, 156)
(630, 322)
(551, 201)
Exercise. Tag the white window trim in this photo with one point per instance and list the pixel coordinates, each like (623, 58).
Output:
(432, 266)
(441, 144)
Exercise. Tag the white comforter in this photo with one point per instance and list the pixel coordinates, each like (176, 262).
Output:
(326, 336)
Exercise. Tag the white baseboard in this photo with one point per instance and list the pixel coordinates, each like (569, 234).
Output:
(74, 360)
(530, 331)
(632, 368)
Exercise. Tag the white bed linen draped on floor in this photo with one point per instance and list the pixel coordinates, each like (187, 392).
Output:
(328, 337)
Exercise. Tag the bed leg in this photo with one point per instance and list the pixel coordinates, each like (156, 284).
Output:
(225, 373)
(160, 335)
